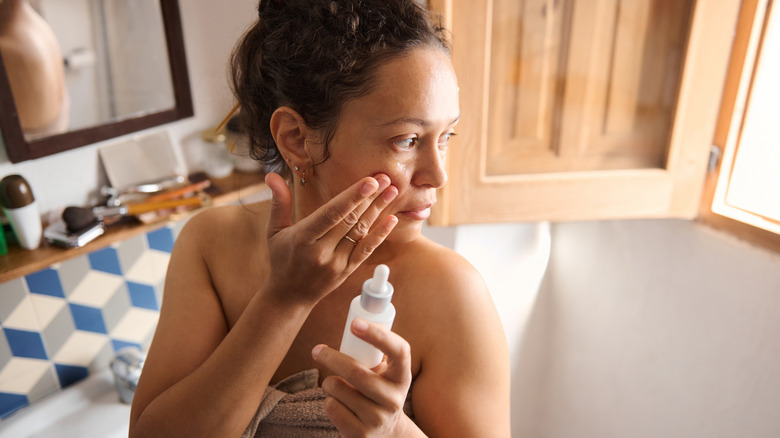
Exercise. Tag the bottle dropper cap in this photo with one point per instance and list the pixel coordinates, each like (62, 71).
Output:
(377, 291)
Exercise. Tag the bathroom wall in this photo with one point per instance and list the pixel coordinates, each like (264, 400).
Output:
(652, 328)
(68, 320)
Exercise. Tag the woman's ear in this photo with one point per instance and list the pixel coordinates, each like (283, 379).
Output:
(290, 132)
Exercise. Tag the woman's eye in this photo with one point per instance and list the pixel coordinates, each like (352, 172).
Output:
(444, 140)
(406, 143)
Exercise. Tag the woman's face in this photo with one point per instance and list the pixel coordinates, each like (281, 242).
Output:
(402, 129)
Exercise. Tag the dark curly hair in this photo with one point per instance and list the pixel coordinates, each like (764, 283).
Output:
(316, 55)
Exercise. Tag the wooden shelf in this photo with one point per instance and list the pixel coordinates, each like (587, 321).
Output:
(20, 262)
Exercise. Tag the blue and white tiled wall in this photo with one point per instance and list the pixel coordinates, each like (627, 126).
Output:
(66, 321)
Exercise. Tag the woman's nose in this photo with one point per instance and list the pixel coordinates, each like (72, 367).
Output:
(430, 167)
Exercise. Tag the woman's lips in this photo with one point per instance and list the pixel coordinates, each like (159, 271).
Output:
(418, 213)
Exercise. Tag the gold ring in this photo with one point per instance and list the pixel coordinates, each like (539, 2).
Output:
(354, 242)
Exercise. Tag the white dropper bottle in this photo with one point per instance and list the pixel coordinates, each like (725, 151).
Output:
(373, 304)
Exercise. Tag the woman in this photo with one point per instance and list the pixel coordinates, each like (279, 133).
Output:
(356, 101)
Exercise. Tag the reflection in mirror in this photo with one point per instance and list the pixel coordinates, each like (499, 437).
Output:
(115, 58)
(80, 71)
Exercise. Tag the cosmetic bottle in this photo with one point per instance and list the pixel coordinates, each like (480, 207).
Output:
(21, 210)
(218, 159)
(373, 305)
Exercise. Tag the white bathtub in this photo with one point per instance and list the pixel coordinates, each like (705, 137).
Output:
(87, 409)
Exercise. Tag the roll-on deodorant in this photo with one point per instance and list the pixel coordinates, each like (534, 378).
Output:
(373, 305)
(21, 210)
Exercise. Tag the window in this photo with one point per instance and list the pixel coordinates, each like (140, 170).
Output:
(742, 195)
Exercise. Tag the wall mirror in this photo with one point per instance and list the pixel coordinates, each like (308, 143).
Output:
(123, 70)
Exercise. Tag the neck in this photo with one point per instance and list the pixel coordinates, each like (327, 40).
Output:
(10, 11)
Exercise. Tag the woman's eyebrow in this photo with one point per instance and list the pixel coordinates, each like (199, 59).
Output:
(413, 121)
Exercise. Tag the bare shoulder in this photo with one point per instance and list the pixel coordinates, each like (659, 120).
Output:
(227, 245)
(212, 245)
(439, 291)
(457, 337)
(224, 223)
(442, 277)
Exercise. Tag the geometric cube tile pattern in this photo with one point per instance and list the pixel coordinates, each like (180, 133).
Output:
(66, 321)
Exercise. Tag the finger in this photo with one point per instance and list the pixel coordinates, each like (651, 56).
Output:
(362, 410)
(353, 234)
(358, 388)
(355, 223)
(280, 216)
(339, 208)
(347, 423)
(396, 349)
(369, 243)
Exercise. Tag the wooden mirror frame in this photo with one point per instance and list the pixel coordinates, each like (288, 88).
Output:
(19, 149)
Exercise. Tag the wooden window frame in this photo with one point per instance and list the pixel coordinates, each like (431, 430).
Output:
(749, 32)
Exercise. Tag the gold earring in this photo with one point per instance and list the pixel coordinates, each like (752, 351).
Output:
(303, 179)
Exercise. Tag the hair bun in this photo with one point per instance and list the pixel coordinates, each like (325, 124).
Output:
(345, 15)
(266, 5)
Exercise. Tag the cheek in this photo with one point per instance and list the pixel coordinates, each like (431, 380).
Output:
(346, 169)
(400, 173)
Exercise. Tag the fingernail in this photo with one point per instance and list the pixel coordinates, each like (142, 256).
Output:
(267, 177)
(383, 181)
(315, 352)
(368, 188)
(359, 325)
(392, 221)
(390, 193)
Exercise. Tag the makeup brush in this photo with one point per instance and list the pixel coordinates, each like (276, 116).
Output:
(77, 218)
(178, 193)
(227, 118)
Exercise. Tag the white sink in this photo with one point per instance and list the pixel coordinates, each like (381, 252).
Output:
(87, 409)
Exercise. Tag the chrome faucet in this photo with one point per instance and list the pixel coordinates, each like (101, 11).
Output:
(126, 367)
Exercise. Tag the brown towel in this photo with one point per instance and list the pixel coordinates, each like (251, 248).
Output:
(294, 408)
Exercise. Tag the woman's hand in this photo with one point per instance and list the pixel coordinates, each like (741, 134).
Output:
(366, 402)
(312, 257)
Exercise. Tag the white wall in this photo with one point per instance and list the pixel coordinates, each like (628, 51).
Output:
(657, 328)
